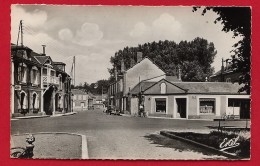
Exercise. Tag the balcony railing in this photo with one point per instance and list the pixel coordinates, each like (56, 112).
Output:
(50, 80)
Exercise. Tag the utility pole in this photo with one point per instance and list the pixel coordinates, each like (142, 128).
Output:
(21, 26)
(102, 93)
(74, 68)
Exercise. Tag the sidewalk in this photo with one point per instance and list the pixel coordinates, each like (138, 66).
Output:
(43, 116)
(55, 145)
(155, 117)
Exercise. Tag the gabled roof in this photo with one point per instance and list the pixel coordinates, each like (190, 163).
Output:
(226, 71)
(187, 87)
(142, 86)
(145, 85)
(42, 59)
(209, 87)
(59, 63)
(143, 60)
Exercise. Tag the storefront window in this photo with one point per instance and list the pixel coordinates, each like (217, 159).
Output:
(160, 105)
(207, 106)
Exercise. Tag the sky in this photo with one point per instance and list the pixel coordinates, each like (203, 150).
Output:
(94, 33)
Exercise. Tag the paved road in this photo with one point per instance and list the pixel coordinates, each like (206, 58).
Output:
(120, 137)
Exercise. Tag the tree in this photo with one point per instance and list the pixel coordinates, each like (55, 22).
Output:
(237, 20)
(168, 55)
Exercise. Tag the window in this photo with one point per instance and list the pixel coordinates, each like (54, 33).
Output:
(48, 62)
(23, 100)
(84, 97)
(60, 81)
(52, 73)
(22, 73)
(34, 75)
(163, 88)
(44, 71)
(207, 105)
(35, 101)
(160, 105)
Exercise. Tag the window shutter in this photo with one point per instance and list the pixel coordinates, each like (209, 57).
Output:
(31, 74)
(25, 75)
(19, 101)
(19, 73)
(25, 102)
(37, 101)
(61, 101)
(38, 77)
(31, 100)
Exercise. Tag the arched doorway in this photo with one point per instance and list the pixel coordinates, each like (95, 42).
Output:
(58, 103)
(48, 100)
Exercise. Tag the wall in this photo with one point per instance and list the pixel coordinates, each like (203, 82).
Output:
(145, 70)
(78, 99)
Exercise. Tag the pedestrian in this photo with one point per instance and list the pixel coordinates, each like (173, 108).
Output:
(141, 110)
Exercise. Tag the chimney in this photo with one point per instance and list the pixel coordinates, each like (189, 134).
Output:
(43, 49)
(179, 72)
(122, 66)
(139, 56)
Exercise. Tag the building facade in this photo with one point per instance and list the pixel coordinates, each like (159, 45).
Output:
(39, 86)
(192, 100)
(146, 86)
(80, 100)
(144, 70)
(226, 74)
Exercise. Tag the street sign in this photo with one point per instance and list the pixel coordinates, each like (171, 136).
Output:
(17, 87)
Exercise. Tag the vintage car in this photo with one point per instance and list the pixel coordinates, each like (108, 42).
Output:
(112, 110)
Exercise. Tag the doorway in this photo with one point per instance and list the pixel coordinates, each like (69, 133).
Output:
(47, 101)
(181, 107)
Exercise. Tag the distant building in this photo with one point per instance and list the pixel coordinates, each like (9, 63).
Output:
(38, 86)
(80, 99)
(100, 101)
(143, 70)
(226, 74)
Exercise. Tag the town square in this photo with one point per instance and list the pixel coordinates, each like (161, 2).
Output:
(125, 82)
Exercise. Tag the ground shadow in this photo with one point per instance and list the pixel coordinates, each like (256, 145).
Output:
(162, 141)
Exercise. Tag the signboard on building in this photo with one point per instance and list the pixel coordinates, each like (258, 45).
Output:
(17, 87)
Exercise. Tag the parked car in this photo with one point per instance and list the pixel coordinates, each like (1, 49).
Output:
(112, 110)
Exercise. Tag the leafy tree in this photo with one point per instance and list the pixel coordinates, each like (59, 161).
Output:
(168, 55)
(96, 88)
(237, 20)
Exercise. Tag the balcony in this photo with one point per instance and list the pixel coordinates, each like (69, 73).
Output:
(50, 80)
